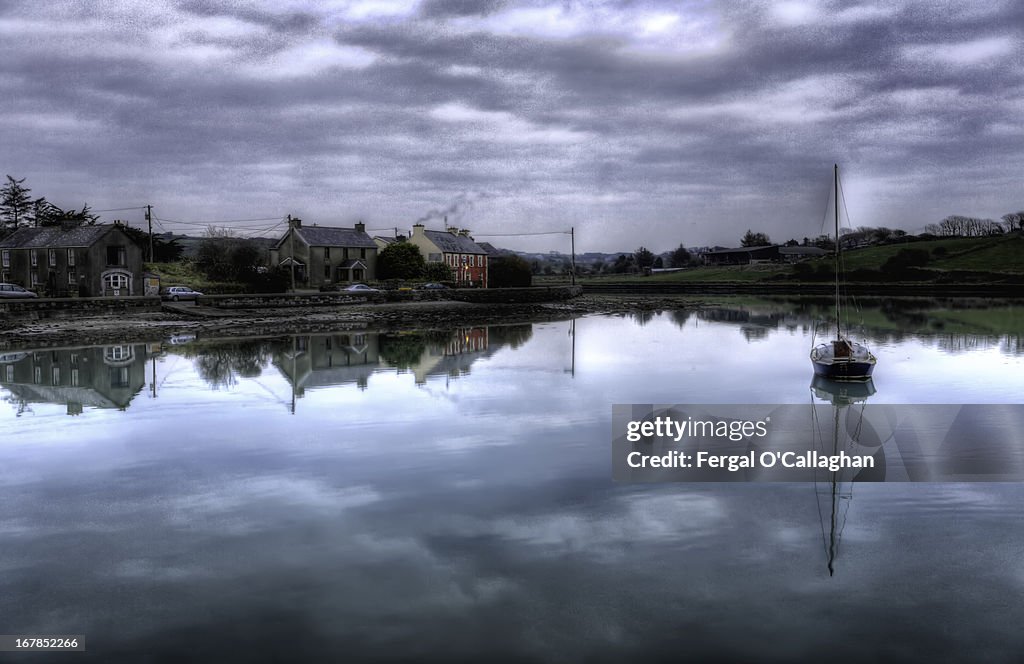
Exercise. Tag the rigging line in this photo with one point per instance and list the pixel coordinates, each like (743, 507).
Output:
(853, 298)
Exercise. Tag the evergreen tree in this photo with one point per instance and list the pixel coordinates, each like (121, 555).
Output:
(16, 206)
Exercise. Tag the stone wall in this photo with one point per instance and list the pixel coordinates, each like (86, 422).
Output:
(64, 307)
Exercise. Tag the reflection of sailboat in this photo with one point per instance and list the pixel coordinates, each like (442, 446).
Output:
(841, 359)
(839, 491)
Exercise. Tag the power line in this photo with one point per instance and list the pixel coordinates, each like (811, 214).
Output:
(521, 234)
(140, 207)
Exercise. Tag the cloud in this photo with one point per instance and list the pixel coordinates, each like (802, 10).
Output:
(648, 111)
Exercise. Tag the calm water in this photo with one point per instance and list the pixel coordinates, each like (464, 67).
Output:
(448, 496)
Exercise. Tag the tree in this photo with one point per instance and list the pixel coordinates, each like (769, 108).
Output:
(1014, 220)
(752, 239)
(644, 257)
(437, 272)
(48, 214)
(400, 260)
(509, 272)
(680, 257)
(16, 205)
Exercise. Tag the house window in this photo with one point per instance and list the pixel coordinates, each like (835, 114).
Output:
(344, 253)
(74, 378)
(33, 258)
(362, 253)
(118, 353)
(5, 256)
(35, 278)
(37, 374)
(55, 376)
(116, 281)
(327, 272)
(327, 253)
(72, 277)
(116, 255)
(6, 276)
(71, 257)
(52, 253)
(434, 258)
(10, 373)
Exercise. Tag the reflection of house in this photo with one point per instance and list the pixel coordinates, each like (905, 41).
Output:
(100, 377)
(456, 249)
(320, 360)
(324, 255)
(86, 260)
(453, 357)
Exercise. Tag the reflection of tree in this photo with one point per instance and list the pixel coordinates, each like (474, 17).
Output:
(404, 350)
(679, 317)
(221, 364)
(513, 335)
(752, 333)
(643, 317)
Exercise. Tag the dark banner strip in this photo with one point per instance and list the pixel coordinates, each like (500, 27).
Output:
(845, 441)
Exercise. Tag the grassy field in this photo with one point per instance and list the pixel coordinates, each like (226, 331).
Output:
(184, 273)
(998, 256)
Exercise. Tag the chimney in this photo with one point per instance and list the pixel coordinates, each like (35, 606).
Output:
(294, 222)
(464, 232)
(417, 229)
(360, 227)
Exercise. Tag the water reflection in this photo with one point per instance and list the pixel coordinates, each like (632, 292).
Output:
(97, 376)
(472, 516)
(835, 492)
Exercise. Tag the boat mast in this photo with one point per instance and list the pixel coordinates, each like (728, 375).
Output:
(836, 183)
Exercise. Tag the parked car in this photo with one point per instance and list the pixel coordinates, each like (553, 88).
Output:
(432, 286)
(360, 288)
(14, 290)
(175, 293)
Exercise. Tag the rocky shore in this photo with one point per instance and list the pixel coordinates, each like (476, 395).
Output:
(158, 325)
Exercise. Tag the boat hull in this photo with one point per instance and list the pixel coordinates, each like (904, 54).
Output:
(840, 370)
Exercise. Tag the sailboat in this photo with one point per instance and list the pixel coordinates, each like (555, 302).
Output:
(842, 358)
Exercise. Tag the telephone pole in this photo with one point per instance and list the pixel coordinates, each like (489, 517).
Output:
(149, 219)
(291, 251)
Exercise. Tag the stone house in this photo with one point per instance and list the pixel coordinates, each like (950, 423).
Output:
(456, 249)
(323, 255)
(88, 261)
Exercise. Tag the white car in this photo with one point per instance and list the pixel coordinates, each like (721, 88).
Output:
(175, 293)
(14, 290)
(360, 288)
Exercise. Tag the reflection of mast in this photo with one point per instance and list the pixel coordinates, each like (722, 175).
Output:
(572, 334)
(841, 395)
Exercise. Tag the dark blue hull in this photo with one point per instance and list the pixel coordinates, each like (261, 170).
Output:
(844, 370)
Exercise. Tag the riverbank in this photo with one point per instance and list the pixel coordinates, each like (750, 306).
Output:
(136, 327)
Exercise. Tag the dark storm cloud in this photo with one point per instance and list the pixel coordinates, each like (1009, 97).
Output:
(653, 111)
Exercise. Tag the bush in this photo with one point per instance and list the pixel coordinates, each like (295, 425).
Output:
(509, 272)
(905, 259)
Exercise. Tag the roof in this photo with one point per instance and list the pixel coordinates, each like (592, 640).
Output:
(744, 250)
(804, 251)
(55, 236)
(450, 243)
(491, 250)
(326, 236)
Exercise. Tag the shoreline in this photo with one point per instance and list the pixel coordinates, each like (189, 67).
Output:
(151, 326)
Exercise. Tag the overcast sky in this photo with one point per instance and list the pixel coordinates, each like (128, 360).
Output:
(636, 122)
